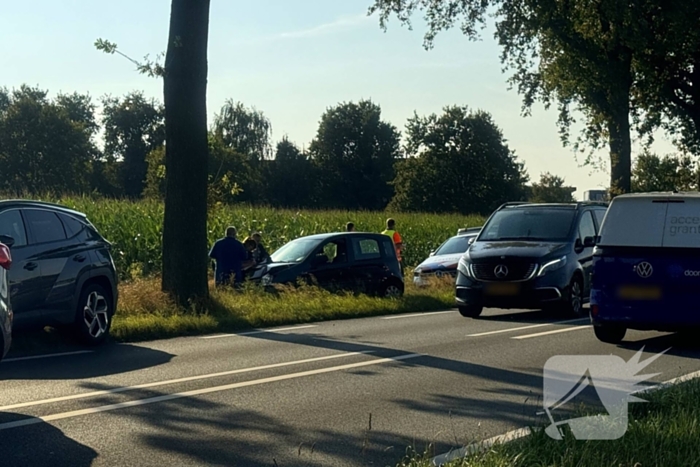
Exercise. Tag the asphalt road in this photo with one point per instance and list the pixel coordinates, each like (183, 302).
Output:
(339, 393)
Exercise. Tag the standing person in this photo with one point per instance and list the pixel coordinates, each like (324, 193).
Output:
(260, 254)
(395, 237)
(229, 255)
(349, 227)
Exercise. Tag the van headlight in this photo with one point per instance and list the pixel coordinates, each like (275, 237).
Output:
(266, 280)
(464, 266)
(552, 266)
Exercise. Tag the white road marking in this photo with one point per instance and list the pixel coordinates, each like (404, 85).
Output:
(524, 432)
(262, 331)
(430, 313)
(52, 355)
(176, 381)
(500, 331)
(197, 392)
(556, 331)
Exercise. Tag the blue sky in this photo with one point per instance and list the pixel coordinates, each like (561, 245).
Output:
(292, 59)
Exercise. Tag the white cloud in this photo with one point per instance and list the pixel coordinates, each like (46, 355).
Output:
(340, 24)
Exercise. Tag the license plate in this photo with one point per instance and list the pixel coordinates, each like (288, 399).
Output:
(639, 293)
(502, 289)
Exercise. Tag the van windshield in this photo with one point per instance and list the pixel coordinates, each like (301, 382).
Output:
(536, 224)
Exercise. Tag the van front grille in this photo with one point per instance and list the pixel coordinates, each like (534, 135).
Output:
(505, 272)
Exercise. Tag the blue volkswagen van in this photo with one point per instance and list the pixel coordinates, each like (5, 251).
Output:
(646, 265)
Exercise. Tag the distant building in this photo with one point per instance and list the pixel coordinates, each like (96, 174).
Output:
(595, 195)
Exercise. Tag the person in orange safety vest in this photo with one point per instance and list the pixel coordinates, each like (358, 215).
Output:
(395, 237)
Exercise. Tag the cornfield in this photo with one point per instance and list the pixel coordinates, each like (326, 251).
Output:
(135, 228)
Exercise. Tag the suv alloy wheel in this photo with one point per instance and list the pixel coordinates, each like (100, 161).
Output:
(94, 315)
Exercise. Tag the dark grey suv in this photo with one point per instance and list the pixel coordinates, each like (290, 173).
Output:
(531, 256)
(62, 272)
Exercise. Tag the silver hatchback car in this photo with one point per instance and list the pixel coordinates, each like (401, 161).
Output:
(5, 309)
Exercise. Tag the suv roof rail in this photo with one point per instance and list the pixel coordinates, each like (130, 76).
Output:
(593, 203)
(512, 203)
(31, 202)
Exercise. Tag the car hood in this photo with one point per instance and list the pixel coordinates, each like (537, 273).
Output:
(514, 249)
(440, 262)
(272, 268)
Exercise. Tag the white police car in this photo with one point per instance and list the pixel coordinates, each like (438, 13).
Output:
(443, 261)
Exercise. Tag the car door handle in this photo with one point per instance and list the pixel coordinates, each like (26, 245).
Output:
(30, 266)
(79, 258)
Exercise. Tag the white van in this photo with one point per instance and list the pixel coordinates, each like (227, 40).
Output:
(646, 265)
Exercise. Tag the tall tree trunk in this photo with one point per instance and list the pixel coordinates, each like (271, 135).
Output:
(620, 148)
(186, 153)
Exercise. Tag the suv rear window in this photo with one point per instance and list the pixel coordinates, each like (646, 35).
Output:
(652, 222)
(544, 224)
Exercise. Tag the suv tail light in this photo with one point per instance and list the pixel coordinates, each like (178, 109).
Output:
(5, 257)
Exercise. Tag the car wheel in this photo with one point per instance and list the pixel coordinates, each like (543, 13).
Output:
(610, 334)
(392, 290)
(94, 315)
(470, 311)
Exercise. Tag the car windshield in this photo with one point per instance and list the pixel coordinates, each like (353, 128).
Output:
(295, 251)
(454, 245)
(550, 225)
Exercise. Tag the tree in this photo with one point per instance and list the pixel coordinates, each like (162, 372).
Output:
(573, 52)
(355, 151)
(185, 263)
(291, 178)
(44, 145)
(459, 162)
(228, 170)
(668, 64)
(246, 131)
(670, 173)
(551, 189)
(133, 128)
(184, 74)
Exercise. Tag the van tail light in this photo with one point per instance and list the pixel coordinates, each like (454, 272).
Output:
(594, 310)
(5, 257)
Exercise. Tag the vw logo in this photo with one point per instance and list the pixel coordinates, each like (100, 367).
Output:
(644, 269)
(439, 274)
(500, 271)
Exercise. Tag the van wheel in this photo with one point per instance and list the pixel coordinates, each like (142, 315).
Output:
(93, 318)
(610, 334)
(573, 304)
(470, 311)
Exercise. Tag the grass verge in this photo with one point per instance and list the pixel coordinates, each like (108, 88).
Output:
(146, 313)
(663, 432)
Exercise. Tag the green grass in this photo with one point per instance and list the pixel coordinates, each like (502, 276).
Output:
(135, 228)
(663, 432)
(146, 313)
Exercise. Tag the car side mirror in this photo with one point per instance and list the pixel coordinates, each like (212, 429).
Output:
(589, 242)
(7, 240)
(471, 240)
(432, 253)
(578, 245)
